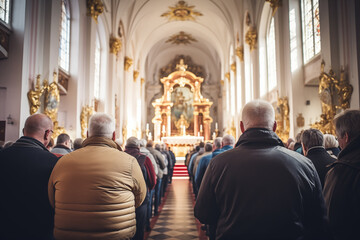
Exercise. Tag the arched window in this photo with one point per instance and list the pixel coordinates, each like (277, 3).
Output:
(310, 28)
(271, 56)
(64, 50)
(5, 11)
(97, 62)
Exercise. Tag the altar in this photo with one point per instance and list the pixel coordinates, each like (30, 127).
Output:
(181, 144)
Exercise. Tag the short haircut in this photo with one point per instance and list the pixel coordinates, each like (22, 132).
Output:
(217, 142)
(132, 142)
(311, 138)
(150, 143)
(37, 123)
(142, 142)
(78, 143)
(330, 141)
(228, 140)
(101, 125)
(258, 114)
(201, 144)
(208, 147)
(348, 122)
(62, 138)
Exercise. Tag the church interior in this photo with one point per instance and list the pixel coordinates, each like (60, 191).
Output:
(166, 69)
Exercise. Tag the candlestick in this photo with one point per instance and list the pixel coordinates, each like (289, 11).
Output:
(216, 125)
(201, 128)
(147, 126)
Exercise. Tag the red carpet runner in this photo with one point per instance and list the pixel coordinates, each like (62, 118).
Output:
(180, 170)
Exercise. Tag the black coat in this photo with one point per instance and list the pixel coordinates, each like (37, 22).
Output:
(342, 192)
(321, 160)
(261, 190)
(25, 211)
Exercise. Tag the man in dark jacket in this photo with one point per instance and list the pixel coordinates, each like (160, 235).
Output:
(312, 141)
(25, 168)
(63, 144)
(342, 184)
(260, 189)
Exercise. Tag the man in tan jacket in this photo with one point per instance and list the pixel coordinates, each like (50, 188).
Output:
(96, 189)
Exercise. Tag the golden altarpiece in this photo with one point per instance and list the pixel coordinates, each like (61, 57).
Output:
(182, 110)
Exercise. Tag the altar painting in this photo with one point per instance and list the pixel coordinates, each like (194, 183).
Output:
(182, 98)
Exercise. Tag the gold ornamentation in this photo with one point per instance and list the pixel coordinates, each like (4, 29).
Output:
(94, 8)
(181, 38)
(181, 12)
(251, 38)
(52, 98)
(182, 125)
(227, 75)
(282, 118)
(232, 129)
(334, 94)
(124, 132)
(142, 81)
(198, 70)
(86, 113)
(127, 63)
(115, 45)
(57, 130)
(34, 96)
(135, 75)
(248, 19)
(274, 4)
(240, 53)
(233, 67)
(222, 82)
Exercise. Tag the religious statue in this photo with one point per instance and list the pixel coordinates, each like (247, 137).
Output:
(52, 98)
(345, 91)
(34, 96)
(182, 124)
(86, 112)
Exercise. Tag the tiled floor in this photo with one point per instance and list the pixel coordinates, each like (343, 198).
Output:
(176, 219)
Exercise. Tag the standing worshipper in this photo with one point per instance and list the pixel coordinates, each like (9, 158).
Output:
(132, 147)
(96, 188)
(63, 144)
(260, 189)
(25, 168)
(342, 184)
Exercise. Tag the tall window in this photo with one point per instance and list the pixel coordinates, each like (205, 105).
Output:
(5, 11)
(64, 50)
(97, 70)
(293, 40)
(271, 56)
(310, 28)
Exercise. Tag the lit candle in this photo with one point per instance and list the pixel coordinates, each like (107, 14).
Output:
(147, 126)
(149, 136)
(198, 134)
(216, 126)
(214, 135)
(163, 128)
(201, 128)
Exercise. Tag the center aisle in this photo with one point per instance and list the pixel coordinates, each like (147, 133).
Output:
(176, 218)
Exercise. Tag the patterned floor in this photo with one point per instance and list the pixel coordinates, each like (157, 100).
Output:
(176, 219)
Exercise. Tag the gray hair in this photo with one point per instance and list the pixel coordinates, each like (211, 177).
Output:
(311, 138)
(101, 125)
(142, 142)
(348, 122)
(330, 141)
(258, 114)
(228, 140)
(217, 142)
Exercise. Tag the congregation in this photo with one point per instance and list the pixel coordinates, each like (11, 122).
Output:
(254, 188)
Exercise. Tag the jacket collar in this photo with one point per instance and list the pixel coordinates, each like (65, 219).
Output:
(63, 147)
(350, 154)
(100, 141)
(226, 147)
(259, 135)
(29, 142)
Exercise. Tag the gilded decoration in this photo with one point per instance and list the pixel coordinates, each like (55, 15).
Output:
(52, 98)
(227, 76)
(127, 63)
(115, 45)
(34, 96)
(240, 53)
(86, 113)
(181, 38)
(181, 12)
(274, 4)
(94, 8)
(191, 67)
(334, 95)
(135, 75)
(182, 110)
(282, 118)
(233, 67)
(232, 129)
(142, 81)
(251, 38)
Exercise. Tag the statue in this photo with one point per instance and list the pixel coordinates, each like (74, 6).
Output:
(345, 91)
(182, 124)
(34, 96)
(52, 98)
(86, 112)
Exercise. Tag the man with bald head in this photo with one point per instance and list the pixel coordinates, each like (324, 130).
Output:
(260, 189)
(25, 168)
